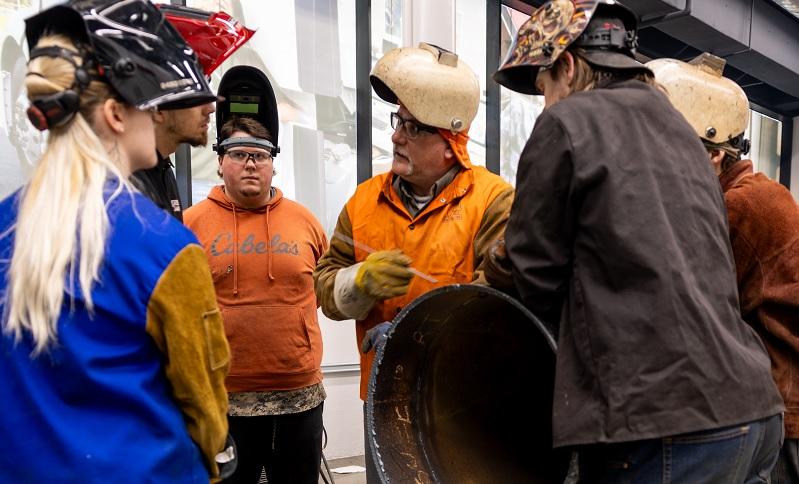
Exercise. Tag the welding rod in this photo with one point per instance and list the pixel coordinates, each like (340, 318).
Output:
(366, 248)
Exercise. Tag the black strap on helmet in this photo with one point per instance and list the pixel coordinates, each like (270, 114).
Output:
(607, 34)
(252, 142)
(53, 110)
(741, 144)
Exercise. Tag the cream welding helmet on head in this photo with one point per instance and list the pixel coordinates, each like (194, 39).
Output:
(436, 87)
(714, 106)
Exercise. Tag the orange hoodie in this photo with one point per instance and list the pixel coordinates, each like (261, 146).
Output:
(262, 262)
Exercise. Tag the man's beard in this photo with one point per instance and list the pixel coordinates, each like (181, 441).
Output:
(195, 141)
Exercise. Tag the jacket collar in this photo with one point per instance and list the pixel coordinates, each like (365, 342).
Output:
(456, 189)
(735, 174)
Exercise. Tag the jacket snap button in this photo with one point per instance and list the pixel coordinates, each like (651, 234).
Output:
(411, 226)
(443, 200)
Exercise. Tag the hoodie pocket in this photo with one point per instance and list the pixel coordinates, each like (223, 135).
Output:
(267, 340)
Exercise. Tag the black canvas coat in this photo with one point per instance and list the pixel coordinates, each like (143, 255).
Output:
(159, 185)
(618, 233)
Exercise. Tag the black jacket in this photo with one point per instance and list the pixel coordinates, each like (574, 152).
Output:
(619, 233)
(160, 186)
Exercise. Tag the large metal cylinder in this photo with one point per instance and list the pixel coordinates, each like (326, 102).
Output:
(462, 393)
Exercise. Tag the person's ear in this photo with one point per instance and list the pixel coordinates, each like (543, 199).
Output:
(568, 63)
(448, 153)
(159, 116)
(716, 158)
(219, 167)
(115, 115)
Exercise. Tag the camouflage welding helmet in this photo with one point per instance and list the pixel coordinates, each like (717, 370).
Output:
(604, 31)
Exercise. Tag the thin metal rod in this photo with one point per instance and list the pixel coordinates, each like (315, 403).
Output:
(363, 102)
(493, 51)
(369, 250)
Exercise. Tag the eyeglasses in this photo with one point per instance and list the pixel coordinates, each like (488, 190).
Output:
(412, 128)
(241, 157)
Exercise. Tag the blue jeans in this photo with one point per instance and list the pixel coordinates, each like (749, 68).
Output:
(743, 453)
(787, 469)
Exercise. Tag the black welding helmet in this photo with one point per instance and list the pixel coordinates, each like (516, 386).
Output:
(133, 48)
(245, 91)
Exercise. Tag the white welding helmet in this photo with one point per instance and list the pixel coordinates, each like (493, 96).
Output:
(433, 84)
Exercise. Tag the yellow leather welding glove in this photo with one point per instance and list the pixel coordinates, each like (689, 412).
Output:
(384, 274)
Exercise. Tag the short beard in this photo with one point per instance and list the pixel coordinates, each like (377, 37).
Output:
(195, 141)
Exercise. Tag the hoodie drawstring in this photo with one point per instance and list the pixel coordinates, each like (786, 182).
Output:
(235, 252)
(269, 247)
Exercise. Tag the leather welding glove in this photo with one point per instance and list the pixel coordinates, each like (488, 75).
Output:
(384, 274)
(375, 336)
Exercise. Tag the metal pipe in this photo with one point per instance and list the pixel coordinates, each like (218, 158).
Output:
(648, 22)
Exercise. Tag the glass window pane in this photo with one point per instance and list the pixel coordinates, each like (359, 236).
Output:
(765, 133)
(386, 35)
(470, 45)
(20, 143)
(518, 112)
(307, 50)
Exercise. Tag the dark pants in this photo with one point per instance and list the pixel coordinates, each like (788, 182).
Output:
(288, 446)
(743, 453)
(371, 468)
(787, 469)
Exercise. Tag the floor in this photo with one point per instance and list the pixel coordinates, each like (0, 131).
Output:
(355, 478)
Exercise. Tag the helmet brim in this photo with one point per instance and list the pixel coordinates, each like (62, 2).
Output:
(609, 59)
(519, 78)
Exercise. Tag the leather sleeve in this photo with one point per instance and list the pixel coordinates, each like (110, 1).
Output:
(492, 227)
(185, 322)
(541, 229)
(339, 255)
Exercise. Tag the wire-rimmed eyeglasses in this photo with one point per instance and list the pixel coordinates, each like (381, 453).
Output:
(411, 127)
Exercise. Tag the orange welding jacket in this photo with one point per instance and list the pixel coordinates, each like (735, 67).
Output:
(440, 239)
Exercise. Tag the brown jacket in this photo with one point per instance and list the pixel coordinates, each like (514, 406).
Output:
(445, 240)
(262, 262)
(764, 231)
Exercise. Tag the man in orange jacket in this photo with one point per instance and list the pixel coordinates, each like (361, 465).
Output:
(434, 209)
(764, 226)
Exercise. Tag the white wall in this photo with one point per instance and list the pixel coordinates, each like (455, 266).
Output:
(433, 22)
(795, 160)
(343, 415)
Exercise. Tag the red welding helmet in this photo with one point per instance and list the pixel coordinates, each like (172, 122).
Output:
(213, 36)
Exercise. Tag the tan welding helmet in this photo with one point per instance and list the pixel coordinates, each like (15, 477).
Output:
(714, 106)
(436, 87)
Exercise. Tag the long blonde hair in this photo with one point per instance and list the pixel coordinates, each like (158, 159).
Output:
(62, 223)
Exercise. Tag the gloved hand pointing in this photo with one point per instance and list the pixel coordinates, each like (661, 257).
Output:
(375, 336)
(384, 274)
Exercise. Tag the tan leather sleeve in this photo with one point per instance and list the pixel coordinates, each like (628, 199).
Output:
(339, 255)
(185, 322)
(492, 227)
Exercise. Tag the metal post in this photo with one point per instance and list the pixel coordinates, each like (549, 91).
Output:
(493, 51)
(786, 151)
(183, 158)
(363, 65)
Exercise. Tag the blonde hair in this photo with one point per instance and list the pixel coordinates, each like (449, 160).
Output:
(62, 223)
